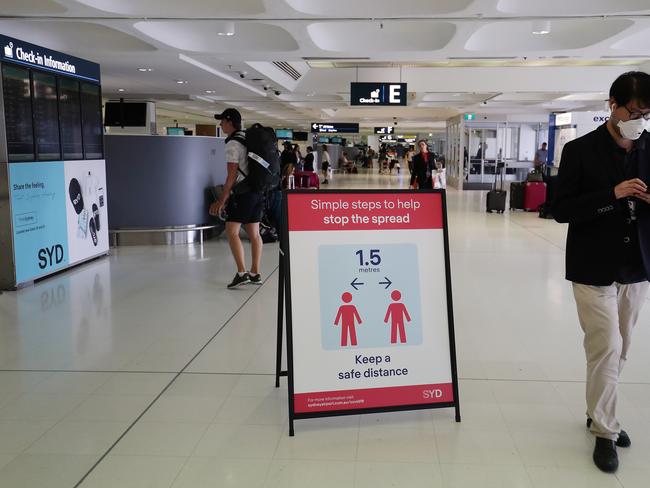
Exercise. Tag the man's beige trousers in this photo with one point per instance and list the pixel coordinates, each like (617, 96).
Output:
(607, 316)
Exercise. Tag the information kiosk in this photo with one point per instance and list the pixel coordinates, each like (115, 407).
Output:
(368, 303)
(53, 211)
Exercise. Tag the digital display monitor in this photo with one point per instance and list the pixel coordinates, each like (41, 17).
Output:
(18, 113)
(336, 140)
(46, 117)
(300, 136)
(284, 134)
(175, 131)
(323, 140)
(70, 117)
(125, 114)
(91, 112)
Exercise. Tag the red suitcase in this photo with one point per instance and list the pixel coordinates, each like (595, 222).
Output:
(306, 179)
(534, 196)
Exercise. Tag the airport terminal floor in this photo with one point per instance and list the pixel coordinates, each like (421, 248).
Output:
(143, 370)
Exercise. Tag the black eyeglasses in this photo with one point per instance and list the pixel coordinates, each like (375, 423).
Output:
(637, 115)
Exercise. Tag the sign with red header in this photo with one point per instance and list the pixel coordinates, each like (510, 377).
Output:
(369, 309)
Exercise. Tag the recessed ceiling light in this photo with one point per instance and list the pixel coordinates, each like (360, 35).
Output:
(145, 70)
(210, 91)
(181, 82)
(121, 89)
(226, 28)
(541, 27)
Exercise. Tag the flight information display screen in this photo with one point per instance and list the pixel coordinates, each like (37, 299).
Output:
(46, 117)
(91, 110)
(70, 117)
(18, 113)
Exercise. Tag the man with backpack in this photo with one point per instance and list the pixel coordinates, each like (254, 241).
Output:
(250, 174)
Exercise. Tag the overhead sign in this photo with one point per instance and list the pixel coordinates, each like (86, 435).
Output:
(469, 116)
(335, 128)
(21, 52)
(370, 298)
(563, 118)
(378, 94)
(384, 130)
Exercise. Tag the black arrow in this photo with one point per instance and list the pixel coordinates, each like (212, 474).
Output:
(355, 283)
(387, 283)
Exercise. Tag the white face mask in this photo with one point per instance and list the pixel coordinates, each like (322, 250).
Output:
(632, 129)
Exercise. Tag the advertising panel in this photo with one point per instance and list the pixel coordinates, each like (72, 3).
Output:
(40, 232)
(370, 308)
(59, 215)
(86, 215)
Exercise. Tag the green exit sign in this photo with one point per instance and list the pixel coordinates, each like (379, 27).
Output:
(470, 116)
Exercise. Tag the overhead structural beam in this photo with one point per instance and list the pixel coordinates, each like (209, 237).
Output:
(220, 74)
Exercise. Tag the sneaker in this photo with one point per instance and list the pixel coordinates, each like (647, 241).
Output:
(324, 182)
(623, 439)
(605, 456)
(239, 280)
(255, 279)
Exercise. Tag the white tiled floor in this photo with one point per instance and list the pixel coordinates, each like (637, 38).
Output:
(142, 370)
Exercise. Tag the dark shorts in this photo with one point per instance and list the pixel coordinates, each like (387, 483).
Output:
(245, 208)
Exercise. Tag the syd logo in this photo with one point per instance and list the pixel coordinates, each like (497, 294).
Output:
(49, 256)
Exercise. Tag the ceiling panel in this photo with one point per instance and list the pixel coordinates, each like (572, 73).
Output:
(78, 37)
(635, 43)
(186, 8)
(455, 97)
(378, 8)
(574, 7)
(381, 37)
(31, 7)
(203, 37)
(565, 34)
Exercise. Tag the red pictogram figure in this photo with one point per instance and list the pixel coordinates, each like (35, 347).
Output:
(397, 312)
(347, 315)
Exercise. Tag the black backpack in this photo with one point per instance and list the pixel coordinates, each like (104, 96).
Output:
(263, 161)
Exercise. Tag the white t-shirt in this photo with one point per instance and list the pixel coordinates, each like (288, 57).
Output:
(236, 153)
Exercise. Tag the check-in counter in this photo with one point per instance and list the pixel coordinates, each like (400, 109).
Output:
(160, 187)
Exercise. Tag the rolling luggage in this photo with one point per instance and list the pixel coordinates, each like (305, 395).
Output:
(306, 179)
(545, 211)
(534, 196)
(517, 191)
(496, 198)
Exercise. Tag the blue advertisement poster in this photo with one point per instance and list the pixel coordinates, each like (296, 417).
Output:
(40, 231)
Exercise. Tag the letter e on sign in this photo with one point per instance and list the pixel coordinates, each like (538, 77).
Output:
(395, 94)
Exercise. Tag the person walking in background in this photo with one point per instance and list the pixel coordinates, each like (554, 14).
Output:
(423, 166)
(602, 195)
(541, 157)
(325, 165)
(242, 205)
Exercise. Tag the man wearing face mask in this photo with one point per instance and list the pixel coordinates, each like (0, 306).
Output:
(602, 194)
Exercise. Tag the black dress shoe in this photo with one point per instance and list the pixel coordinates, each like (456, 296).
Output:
(605, 456)
(623, 439)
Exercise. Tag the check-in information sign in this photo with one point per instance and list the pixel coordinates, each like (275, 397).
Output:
(370, 319)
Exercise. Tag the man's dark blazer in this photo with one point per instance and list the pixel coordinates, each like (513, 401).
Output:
(601, 235)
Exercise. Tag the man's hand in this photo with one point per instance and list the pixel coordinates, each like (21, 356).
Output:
(644, 197)
(216, 208)
(630, 188)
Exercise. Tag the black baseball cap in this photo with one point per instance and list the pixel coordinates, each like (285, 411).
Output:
(230, 114)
